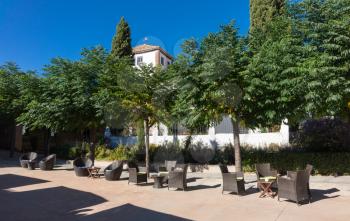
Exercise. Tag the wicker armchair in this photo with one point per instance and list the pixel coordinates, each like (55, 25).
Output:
(170, 165)
(135, 175)
(265, 170)
(232, 182)
(24, 159)
(81, 166)
(177, 178)
(309, 171)
(114, 170)
(48, 162)
(294, 187)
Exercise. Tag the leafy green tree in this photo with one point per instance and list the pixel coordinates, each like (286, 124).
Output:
(66, 99)
(16, 90)
(121, 43)
(324, 25)
(213, 86)
(139, 96)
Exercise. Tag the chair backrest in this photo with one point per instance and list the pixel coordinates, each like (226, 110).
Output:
(82, 162)
(223, 168)
(115, 165)
(132, 164)
(29, 156)
(308, 169)
(301, 179)
(50, 157)
(170, 165)
(263, 169)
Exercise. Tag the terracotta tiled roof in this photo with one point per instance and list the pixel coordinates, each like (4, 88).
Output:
(147, 48)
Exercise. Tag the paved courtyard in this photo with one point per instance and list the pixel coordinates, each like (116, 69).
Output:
(60, 195)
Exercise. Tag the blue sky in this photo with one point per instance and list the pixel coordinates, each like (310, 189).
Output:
(32, 32)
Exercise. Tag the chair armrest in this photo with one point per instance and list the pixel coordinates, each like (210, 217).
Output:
(142, 169)
(132, 171)
(231, 176)
(285, 182)
(273, 173)
(291, 174)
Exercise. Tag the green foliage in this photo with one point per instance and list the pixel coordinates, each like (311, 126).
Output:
(66, 152)
(121, 44)
(169, 151)
(263, 11)
(324, 135)
(119, 153)
(327, 163)
(65, 101)
(16, 89)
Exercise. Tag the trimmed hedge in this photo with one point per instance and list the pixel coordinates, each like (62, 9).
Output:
(326, 163)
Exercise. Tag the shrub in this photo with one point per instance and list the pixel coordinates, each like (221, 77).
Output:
(168, 151)
(324, 135)
(325, 163)
(67, 152)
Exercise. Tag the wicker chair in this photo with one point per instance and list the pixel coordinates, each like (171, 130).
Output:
(170, 165)
(81, 166)
(309, 171)
(48, 162)
(114, 171)
(177, 178)
(135, 176)
(264, 170)
(232, 182)
(24, 159)
(294, 187)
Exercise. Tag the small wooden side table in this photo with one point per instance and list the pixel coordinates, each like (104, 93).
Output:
(94, 172)
(266, 187)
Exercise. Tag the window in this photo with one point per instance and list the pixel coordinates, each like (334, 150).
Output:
(162, 60)
(139, 60)
(168, 62)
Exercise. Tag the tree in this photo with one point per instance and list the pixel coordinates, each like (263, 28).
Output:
(213, 86)
(263, 11)
(121, 43)
(65, 102)
(139, 96)
(324, 25)
(17, 88)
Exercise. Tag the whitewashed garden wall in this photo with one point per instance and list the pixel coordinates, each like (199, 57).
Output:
(253, 139)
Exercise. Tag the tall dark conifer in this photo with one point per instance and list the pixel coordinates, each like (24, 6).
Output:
(262, 11)
(121, 43)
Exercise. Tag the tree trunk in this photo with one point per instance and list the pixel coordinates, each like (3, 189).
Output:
(92, 153)
(237, 145)
(146, 128)
(12, 139)
(175, 133)
(47, 142)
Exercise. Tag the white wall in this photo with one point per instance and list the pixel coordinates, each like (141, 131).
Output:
(166, 60)
(254, 139)
(148, 57)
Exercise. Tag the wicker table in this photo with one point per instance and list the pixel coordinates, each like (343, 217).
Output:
(266, 186)
(158, 181)
(94, 172)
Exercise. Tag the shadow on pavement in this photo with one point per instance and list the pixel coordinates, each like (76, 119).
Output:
(11, 181)
(62, 203)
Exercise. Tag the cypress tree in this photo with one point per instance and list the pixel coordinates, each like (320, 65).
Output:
(121, 43)
(262, 11)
